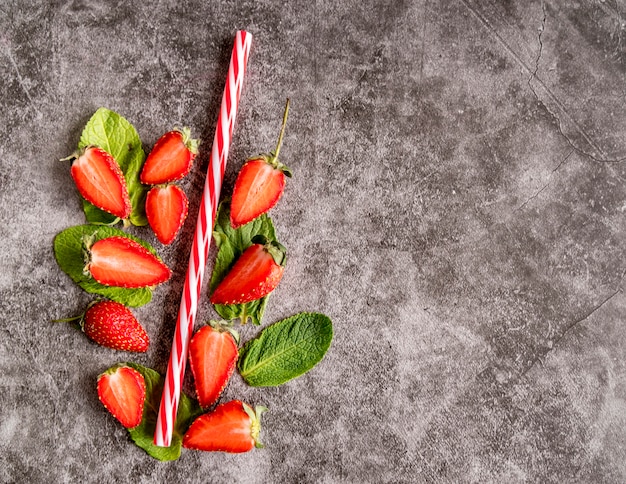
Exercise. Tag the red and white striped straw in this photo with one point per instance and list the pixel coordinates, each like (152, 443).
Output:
(201, 242)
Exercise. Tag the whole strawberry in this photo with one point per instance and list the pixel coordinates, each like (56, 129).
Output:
(260, 184)
(113, 325)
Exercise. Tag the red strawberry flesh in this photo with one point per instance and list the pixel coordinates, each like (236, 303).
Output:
(122, 262)
(254, 275)
(122, 390)
(166, 210)
(260, 183)
(231, 427)
(258, 188)
(212, 357)
(101, 182)
(171, 158)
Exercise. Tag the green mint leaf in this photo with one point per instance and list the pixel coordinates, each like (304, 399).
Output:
(96, 216)
(285, 350)
(143, 434)
(110, 131)
(231, 243)
(68, 250)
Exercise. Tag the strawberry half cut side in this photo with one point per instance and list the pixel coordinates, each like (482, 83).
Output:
(258, 189)
(100, 181)
(122, 262)
(113, 325)
(259, 184)
(166, 210)
(171, 158)
(213, 354)
(122, 391)
(231, 427)
(254, 275)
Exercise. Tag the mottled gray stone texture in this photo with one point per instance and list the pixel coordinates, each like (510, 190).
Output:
(457, 208)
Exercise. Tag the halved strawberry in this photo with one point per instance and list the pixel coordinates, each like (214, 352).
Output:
(231, 427)
(122, 391)
(255, 274)
(171, 157)
(166, 209)
(100, 181)
(213, 356)
(113, 325)
(122, 262)
(260, 184)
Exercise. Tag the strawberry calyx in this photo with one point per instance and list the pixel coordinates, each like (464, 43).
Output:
(255, 422)
(190, 143)
(272, 247)
(271, 158)
(225, 326)
(88, 241)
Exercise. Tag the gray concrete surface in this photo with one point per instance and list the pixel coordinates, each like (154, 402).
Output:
(458, 210)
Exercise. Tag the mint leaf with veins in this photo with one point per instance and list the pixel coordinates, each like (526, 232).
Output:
(110, 131)
(285, 350)
(69, 253)
(143, 434)
(231, 243)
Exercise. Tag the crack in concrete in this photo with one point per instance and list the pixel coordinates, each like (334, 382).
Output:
(567, 329)
(20, 79)
(533, 196)
(536, 194)
(549, 94)
(541, 30)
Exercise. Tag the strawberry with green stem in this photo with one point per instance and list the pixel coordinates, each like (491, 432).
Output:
(255, 274)
(259, 184)
(112, 325)
(232, 427)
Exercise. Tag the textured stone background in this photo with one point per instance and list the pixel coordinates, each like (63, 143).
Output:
(457, 209)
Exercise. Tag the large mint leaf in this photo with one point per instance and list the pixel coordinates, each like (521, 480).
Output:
(69, 253)
(285, 350)
(231, 243)
(143, 434)
(110, 131)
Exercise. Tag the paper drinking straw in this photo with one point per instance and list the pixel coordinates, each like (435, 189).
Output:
(202, 239)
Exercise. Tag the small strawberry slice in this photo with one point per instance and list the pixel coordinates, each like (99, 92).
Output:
(255, 274)
(100, 181)
(113, 325)
(171, 157)
(213, 355)
(122, 262)
(166, 209)
(231, 427)
(122, 391)
(260, 184)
